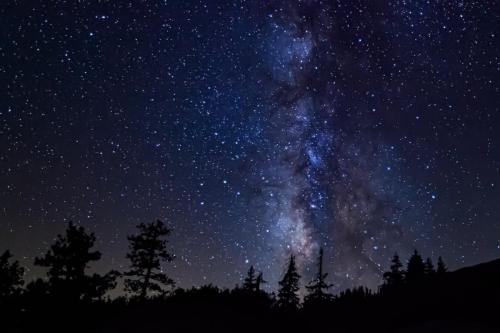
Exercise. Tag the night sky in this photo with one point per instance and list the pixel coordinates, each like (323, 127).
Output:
(254, 129)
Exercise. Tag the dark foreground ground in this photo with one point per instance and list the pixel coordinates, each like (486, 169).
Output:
(467, 300)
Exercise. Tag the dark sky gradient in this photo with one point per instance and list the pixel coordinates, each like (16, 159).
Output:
(255, 129)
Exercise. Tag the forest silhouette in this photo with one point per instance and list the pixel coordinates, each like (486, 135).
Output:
(415, 296)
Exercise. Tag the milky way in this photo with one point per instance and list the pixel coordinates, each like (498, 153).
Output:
(324, 192)
(339, 184)
(255, 130)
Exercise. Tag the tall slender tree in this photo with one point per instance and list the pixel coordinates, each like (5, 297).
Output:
(259, 281)
(395, 277)
(416, 268)
(249, 284)
(148, 249)
(429, 267)
(441, 267)
(67, 259)
(289, 286)
(318, 288)
(11, 276)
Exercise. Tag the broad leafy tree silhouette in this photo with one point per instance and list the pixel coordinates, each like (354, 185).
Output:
(148, 249)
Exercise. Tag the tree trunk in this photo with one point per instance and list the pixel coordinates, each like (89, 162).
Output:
(147, 277)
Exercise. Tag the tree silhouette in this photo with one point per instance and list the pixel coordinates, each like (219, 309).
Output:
(259, 281)
(354, 296)
(318, 288)
(441, 267)
(416, 268)
(289, 286)
(11, 276)
(37, 289)
(147, 251)
(396, 276)
(67, 260)
(429, 268)
(249, 284)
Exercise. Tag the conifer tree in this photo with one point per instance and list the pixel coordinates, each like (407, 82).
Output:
(396, 276)
(416, 268)
(318, 288)
(289, 286)
(259, 281)
(11, 276)
(441, 267)
(67, 259)
(249, 284)
(148, 250)
(429, 268)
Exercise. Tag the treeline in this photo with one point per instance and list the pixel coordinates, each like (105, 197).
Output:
(70, 294)
(71, 254)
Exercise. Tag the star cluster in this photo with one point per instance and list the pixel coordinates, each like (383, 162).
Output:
(255, 130)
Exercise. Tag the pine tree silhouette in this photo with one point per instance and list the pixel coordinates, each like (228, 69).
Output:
(147, 251)
(249, 284)
(11, 276)
(441, 267)
(289, 286)
(395, 278)
(318, 288)
(259, 281)
(416, 268)
(67, 260)
(429, 268)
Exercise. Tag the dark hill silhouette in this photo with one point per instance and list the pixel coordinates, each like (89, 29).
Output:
(465, 300)
(490, 269)
(479, 283)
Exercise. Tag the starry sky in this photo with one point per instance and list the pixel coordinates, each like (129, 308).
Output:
(255, 129)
